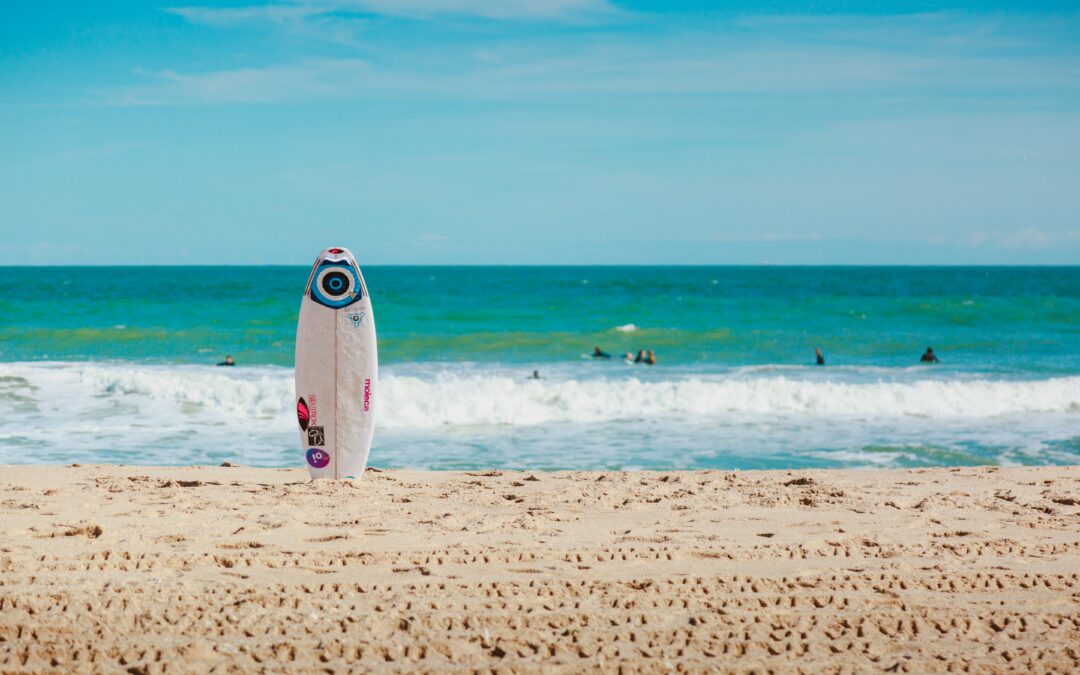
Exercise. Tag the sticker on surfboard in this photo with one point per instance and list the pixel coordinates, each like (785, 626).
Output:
(302, 414)
(318, 458)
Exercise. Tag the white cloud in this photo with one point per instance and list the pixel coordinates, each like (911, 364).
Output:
(760, 56)
(506, 10)
(234, 16)
(305, 80)
(583, 68)
(1023, 239)
(519, 76)
(765, 237)
(487, 9)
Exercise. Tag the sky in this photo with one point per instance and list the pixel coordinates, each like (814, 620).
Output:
(540, 132)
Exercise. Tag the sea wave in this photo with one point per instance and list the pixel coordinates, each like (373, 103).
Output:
(469, 398)
(449, 400)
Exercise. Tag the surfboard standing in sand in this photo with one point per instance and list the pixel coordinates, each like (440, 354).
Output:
(337, 368)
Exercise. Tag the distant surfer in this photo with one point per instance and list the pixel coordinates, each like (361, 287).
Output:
(228, 361)
(640, 358)
(600, 354)
(650, 360)
(929, 356)
(535, 375)
(820, 356)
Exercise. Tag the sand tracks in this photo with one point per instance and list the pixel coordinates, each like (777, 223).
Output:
(972, 570)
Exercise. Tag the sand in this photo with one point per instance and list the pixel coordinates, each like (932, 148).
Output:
(139, 569)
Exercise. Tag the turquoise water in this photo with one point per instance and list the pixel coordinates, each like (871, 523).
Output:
(1026, 319)
(116, 364)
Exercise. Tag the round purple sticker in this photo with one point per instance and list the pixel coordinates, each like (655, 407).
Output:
(317, 457)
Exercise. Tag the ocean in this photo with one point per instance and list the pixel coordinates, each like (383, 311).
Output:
(116, 365)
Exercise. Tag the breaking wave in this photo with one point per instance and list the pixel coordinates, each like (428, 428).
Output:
(411, 401)
(483, 398)
(467, 416)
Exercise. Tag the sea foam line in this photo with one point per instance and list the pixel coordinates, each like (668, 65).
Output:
(265, 396)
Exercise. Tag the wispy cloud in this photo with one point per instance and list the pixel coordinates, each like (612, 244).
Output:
(501, 10)
(311, 79)
(583, 69)
(911, 55)
(504, 9)
(92, 153)
(234, 16)
(318, 23)
(1024, 239)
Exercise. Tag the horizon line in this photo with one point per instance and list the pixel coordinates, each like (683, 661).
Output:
(576, 265)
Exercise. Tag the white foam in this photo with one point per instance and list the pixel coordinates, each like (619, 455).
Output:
(486, 399)
(626, 328)
(476, 397)
(448, 416)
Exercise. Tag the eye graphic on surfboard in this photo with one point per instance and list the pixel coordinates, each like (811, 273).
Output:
(336, 284)
(337, 367)
(302, 414)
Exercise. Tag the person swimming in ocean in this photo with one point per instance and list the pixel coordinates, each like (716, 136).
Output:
(640, 358)
(535, 375)
(600, 354)
(820, 356)
(650, 360)
(228, 361)
(929, 356)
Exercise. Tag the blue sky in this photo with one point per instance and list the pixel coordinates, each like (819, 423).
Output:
(543, 131)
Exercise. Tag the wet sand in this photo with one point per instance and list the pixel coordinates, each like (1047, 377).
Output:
(143, 570)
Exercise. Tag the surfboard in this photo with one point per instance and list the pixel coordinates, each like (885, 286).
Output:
(337, 368)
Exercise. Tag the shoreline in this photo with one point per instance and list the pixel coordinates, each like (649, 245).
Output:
(579, 416)
(238, 569)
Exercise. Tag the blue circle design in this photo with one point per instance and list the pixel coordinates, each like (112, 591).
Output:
(336, 303)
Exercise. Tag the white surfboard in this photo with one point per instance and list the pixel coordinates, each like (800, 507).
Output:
(337, 368)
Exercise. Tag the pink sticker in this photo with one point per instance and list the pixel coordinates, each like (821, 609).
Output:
(302, 414)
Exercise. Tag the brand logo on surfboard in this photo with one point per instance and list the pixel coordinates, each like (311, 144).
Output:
(302, 414)
(317, 457)
(367, 395)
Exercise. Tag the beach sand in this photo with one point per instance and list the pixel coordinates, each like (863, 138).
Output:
(235, 569)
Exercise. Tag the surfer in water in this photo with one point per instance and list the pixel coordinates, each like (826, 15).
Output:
(600, 354)
(820, 356)
(650, 360)
(640, 358)
(535, 375)
(929, 356)
(228, 361)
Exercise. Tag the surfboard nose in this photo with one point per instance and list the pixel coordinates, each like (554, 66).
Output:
(335, 279)
(337, 252)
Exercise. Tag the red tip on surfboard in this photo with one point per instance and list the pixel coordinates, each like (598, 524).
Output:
(335, 251)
